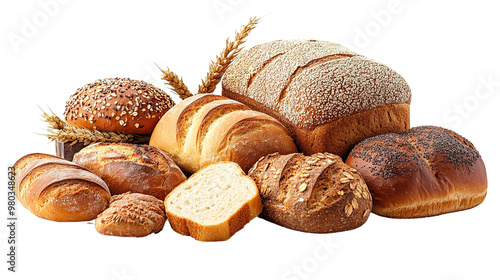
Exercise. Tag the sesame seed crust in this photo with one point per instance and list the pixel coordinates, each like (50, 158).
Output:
(311, 83)
(119, 105)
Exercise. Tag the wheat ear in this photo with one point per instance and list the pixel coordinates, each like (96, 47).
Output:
(216, 69)
(175, 83)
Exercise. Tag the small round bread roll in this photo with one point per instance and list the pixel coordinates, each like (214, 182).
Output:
(118, 105)
(424, 171)
(132, 215)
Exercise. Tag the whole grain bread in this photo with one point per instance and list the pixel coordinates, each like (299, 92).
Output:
(317, 193)
(59, 190)
(132, 215)
(327, 96)
(208, 128)
(130, 167)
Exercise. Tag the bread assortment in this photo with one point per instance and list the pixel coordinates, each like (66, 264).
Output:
(214, 203)
(59, 190)
(424, 171)
(327, 96)
(289, 113)
(132, 215)
(208, 128)
(131, 168)
(317, 193)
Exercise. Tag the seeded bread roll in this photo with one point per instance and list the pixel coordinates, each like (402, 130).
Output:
(317, 193)
(132, 168)
(59, 190)
(422, 172)
(118, 105)
(208, 128)
(327, 96)
(132, 215)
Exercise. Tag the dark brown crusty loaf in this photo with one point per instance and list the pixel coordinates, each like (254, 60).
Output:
(422, 172)
(132, 215)
(208, 128)
(317, 193)
(118, 105)
(59, 190)
(327, 96)
(135, 168)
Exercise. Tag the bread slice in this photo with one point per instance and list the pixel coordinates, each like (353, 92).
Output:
(214, 203)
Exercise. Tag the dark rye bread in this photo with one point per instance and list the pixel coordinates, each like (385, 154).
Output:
(132, 215)
(317, 193)
(59, 190)
(132, 168)
(422, 172)
(327, 96)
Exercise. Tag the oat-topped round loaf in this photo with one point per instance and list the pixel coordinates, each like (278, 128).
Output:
(328, 97)
(118, 105)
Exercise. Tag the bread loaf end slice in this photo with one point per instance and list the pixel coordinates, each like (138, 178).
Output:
(214, 203)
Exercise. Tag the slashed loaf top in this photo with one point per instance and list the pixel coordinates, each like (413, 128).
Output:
(313, 82)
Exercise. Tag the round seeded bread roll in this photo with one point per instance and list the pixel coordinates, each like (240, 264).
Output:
(327, 96)
(317, 193)
(422, 172)
(118, 105)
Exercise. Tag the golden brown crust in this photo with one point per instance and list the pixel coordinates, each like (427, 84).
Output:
(59, 190)
(422, 172)
(317, 193)
(132, 215)
(210, 231)
(118, 105)
(135, 168)
(312, 86)
(208, 128)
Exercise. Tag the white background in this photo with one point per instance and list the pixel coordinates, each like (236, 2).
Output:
(447, 52)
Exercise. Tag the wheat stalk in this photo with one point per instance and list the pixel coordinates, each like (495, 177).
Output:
(216, 69)
(60, 131)
(175, 83)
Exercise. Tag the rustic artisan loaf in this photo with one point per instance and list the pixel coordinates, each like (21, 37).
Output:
(327, 96)
(208, 128)
(118, 105)
(214, 203)
(424, 171)
(59, 190)
(132, 214)
(317, 193)
(135, 168)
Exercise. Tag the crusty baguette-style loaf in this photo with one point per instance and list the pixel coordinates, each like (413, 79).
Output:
(317, 193)
(422, 172)
(327, 96)
(135, 168)
(207, 128)
(214, 203)
(59, 190)
(132, 215)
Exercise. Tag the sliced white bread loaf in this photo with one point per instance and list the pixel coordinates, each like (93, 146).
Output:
(214, 203)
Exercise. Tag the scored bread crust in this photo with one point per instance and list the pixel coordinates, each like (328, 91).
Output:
(425, 171)
(208, 128)
(311, 86)
(317, 193)
(224, 230)
(129, 167)
(59, 190)
(132, 215)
